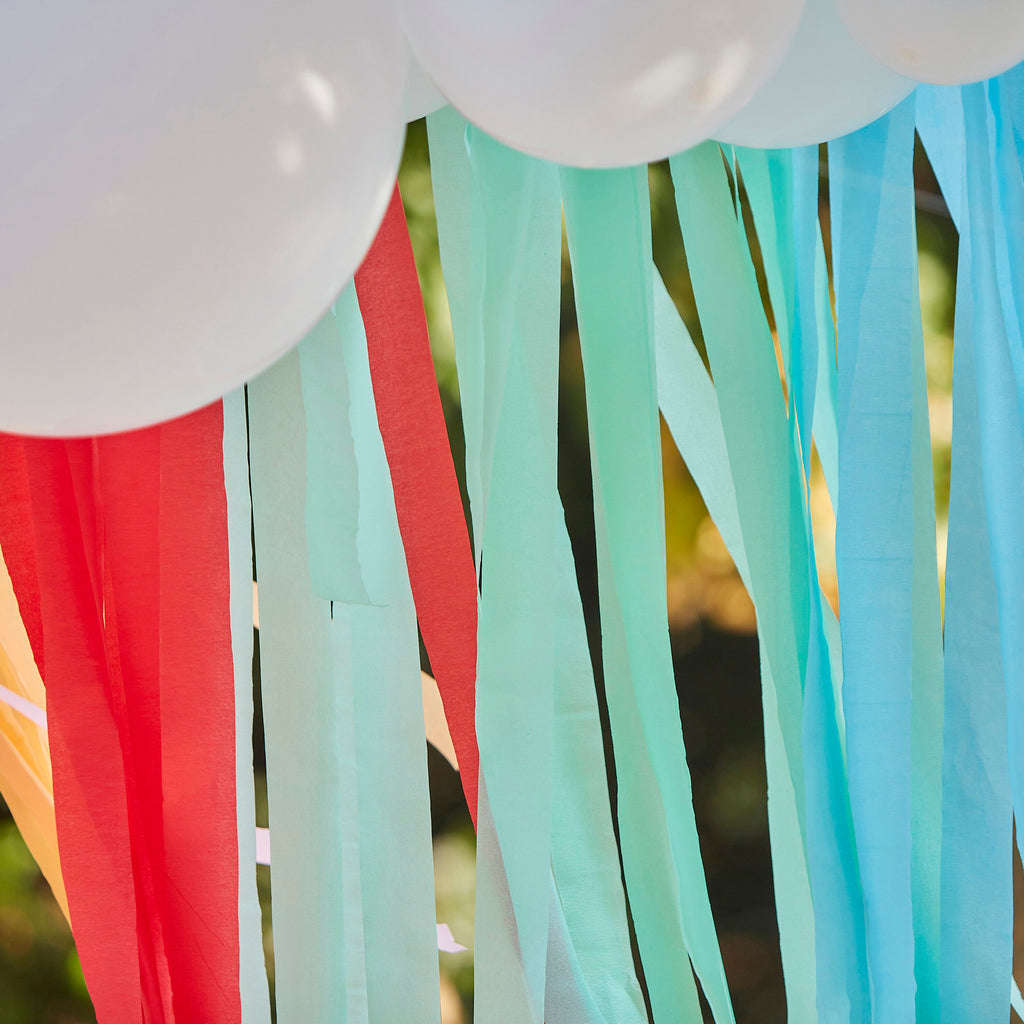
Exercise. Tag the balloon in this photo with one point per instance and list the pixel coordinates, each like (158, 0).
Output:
(184, 189)
(599, 83)
(421, 95)
(946, 42)
(828, 85)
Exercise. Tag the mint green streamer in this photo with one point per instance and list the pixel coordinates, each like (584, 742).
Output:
(607, 215)
(332, 488)
(499, 235)
(255, 997)
(690, 407)
(306, 699)
(395, 854)
(793, 620)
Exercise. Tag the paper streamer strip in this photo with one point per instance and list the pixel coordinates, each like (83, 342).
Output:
(311, 777)
(589, 964)
(776, 533)
(396, 859)
(89, 780)
(690, 407)
(876, 301)
(254, 994)
(607, 225)
(426, 491)
(977, 884)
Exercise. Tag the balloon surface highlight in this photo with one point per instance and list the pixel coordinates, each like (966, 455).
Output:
(828, 85)
(183, 191)
(945, 42)
(599, 85)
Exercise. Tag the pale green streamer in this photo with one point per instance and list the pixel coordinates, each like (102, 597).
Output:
(690, 407)
(255, 997)
(500, 252)
(306, 702)
(396, 862)
(607, 222)
(332, 485)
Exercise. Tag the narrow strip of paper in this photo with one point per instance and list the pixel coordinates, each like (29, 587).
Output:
(427, 499)
(255, 998)
(608, 229)
(876, 301)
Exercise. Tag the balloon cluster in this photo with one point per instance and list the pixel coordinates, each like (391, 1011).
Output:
(185, 188)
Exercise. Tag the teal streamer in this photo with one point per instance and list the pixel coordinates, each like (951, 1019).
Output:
(977, 884)
(690, 407)
(608, 229)
(776, 533)
(876, 300)
(309, 772)
(332, 491)
(395, 855)
(255, 997)
(499, 236)
(1002, 448)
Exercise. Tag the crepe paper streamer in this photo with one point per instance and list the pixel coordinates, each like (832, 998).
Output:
(776, 531)
(434, 722)
(1016, 1000)
(939, 121)
(512, 289)
(263, 846)
(426, 490)
(26, 780)
(1002, 449)
(332, 483)
(977, 884)
(255, 997)
(607, 226)
(395, 852)
(826, 394)
(113, 938)
(306, 686)
(25, 707)
(876, 302)
(18, 539)
(690, 407)
(446, 941)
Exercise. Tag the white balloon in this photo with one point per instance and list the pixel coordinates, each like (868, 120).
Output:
(946, 42)
(599, 83)
(184, 189)
(421, 95)
(828, 85)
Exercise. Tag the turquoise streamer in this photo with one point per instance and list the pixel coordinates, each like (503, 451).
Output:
(309, 772)
(977, 886)
(589, 969)
(1002, 449)
(690, 407)
(255, 997)
(876, 300)
(395, 854)
(776, 534)
(607, 224)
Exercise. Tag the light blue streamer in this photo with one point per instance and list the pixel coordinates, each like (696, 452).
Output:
(876, 259)
(255, 996)
(1002, 449)
(977, 884)
(777, 538)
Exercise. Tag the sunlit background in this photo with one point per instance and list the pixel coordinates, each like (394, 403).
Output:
(714, 645)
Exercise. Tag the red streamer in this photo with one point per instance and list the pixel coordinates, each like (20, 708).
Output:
(128, 564)
(427, 499)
